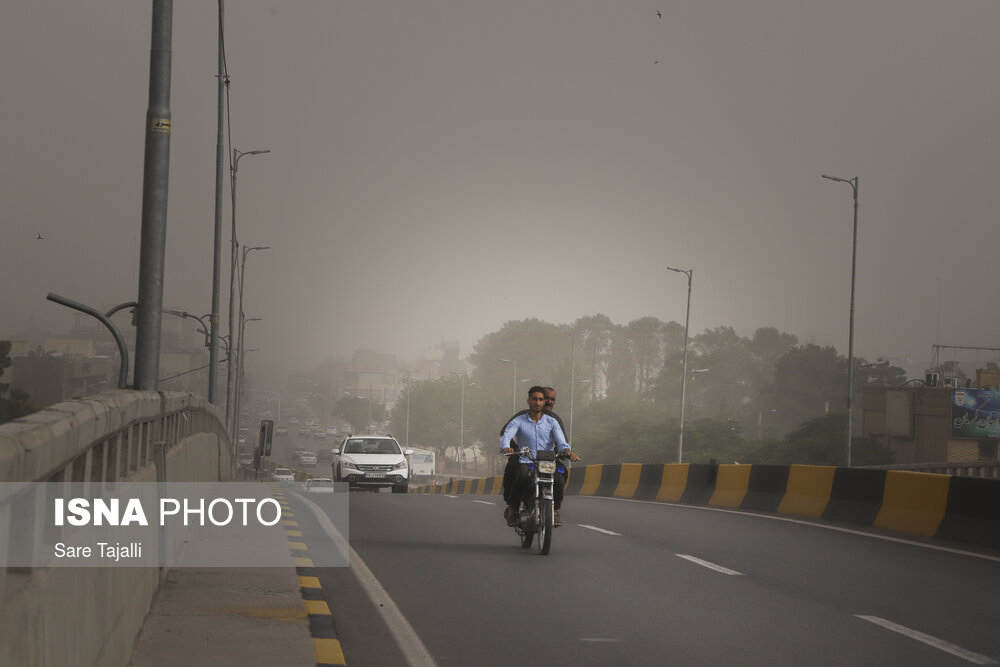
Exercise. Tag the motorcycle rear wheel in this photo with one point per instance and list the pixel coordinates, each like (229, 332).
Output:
(545, 519)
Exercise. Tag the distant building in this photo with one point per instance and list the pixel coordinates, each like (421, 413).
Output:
(59, 367)
(921, 424)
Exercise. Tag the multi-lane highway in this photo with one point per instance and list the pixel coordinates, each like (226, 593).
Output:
(632, 583)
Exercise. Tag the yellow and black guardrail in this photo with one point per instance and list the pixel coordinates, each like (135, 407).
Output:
(964, 509)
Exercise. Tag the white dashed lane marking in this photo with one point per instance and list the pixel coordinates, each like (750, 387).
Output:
(710, 566)
(940, 644)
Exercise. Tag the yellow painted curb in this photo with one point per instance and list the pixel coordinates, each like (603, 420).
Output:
(328, 652)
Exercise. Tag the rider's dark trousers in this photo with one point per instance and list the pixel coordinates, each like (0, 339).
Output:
(520, 486)
(508, 477)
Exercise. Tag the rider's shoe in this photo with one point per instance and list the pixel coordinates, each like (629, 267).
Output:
(510, 515)
(555, 519)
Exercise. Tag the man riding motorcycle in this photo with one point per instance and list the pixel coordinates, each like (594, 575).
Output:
(536, 431)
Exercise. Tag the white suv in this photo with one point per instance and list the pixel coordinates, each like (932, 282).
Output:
(372, 461)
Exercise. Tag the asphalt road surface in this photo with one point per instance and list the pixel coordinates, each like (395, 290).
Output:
(632, 583)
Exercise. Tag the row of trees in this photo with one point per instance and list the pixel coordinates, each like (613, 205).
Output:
(766, 398)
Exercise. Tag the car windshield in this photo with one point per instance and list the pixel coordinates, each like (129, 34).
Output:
(282, 471)
(371, 446)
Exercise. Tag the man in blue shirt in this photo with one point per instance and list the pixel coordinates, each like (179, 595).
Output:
(510, 470)
(536, 431)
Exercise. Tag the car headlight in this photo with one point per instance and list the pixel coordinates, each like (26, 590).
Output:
(547, 466)
(400, 466)
(348, 464)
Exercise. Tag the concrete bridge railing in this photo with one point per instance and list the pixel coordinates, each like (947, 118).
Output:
(92, 615)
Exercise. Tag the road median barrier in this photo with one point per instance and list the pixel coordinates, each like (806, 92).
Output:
(962, 509)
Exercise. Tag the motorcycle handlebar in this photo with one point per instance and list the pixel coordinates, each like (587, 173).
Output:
(524, 451)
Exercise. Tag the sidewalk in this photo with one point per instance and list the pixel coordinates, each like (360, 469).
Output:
(236, 616)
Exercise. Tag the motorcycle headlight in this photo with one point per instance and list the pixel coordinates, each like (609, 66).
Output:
(400, 466)
(547, 467)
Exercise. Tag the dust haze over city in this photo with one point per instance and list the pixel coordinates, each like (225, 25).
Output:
(438, 169)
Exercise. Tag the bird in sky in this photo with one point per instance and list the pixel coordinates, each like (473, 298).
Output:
(40, 237)
(659, 14)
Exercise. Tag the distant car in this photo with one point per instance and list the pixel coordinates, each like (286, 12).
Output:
(319, 485)
(371, 462)
(320, 435)
(283, 475)
(281, 431)
(293, 420)
(331, 430)
(305, 431)
(307, 459)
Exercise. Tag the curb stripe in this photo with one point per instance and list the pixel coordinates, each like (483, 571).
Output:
(328, 652)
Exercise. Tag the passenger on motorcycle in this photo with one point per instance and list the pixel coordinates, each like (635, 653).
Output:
(536, 431)
(512, 461)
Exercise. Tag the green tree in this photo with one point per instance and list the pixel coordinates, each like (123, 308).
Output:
(809, 381)
(433, 414)
(821, 441)
(623, 431)
(359, 412)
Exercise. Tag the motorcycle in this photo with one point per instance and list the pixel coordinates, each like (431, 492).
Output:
(537, 511)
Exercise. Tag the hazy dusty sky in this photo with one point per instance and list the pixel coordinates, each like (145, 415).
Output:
(439, 168)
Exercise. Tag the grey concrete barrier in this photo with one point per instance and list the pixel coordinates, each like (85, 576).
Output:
(92, 616)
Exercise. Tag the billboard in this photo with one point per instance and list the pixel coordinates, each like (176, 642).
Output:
(975, 414)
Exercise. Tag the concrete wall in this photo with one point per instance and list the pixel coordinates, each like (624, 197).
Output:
(92, 616)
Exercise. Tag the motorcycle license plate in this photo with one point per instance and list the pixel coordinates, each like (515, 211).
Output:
(374, 475)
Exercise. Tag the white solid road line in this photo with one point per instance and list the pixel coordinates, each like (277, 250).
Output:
(710, 566)
(600, 530)
(483, 502)
(413, 649)
(940, 644)
(406, 637)
(452, 497)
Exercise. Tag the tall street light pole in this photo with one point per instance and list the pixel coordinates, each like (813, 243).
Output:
(213, 349)
(407, 437)
(572, 382)
(853, 182)
(241, 354)
(156, 167)
(240, 328)
(234, 260)
(687, 321)
(461, 426)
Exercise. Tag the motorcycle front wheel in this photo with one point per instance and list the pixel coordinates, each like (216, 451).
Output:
(544, 526)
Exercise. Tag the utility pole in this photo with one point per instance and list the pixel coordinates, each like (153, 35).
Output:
(213, 349)
(156, 169)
